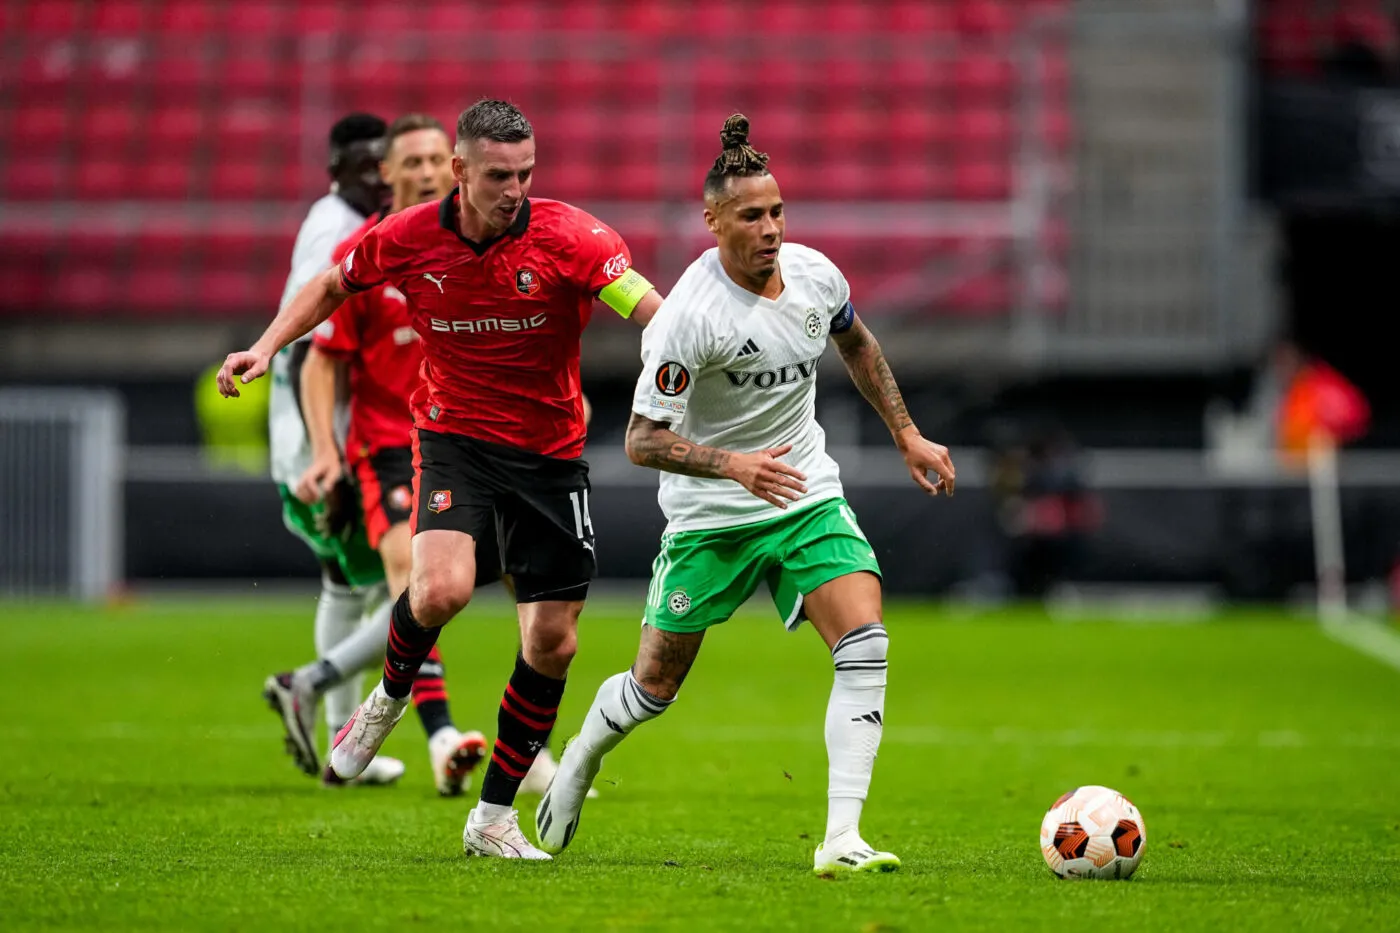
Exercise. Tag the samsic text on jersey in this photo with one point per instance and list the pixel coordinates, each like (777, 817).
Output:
(500, 321)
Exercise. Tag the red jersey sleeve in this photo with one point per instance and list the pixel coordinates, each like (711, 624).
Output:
(339, 334)
(603, 266)
(363, 266)
(602, 255)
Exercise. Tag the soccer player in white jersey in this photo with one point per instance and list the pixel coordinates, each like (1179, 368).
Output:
(725, 409)
(351, 572)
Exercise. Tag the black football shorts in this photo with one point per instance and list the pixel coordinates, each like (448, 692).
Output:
(533, 508)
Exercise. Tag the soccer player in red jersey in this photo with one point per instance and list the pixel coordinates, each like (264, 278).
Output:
(499, 287)
(369, 344)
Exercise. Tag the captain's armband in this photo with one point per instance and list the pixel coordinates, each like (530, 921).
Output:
(623, 293)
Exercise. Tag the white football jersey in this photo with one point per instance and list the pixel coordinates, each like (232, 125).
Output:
(727, 368)
(327, 224)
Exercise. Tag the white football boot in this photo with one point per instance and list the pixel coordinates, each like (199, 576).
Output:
(455, 756)
(556, 819)
(537, 779)
(295, 705)
(358, 741)
(848, 852)
(380, 772)
(499, 840)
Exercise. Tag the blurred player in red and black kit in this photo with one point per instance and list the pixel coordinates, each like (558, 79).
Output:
(370, 344)
(499, 287)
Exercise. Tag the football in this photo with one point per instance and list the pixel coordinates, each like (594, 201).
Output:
(1093, 832)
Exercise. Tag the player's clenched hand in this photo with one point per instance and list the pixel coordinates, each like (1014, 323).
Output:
(767, 477)
(319, 479)
(243, 366)
(924, 456)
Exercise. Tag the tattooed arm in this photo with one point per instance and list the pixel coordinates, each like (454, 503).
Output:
(869, 370)
(653, 444)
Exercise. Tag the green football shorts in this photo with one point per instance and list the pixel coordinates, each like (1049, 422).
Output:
(701, 578)
(359, 562)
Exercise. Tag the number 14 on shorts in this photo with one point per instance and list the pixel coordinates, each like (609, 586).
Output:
(582, 520)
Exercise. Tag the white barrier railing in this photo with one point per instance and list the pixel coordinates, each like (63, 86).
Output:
(61, 454)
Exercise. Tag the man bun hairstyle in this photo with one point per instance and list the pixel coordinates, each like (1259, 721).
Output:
(496, 120)
(737, 159)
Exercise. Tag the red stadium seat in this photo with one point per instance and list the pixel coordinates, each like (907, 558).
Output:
(317, 16)
(33, 179)
(102, 178)
(985, 18)
(982, 181)
(185, 21)
(174, 130)
(112, 126)
(236, 180)
(782, 18)
(980, 295)
(174, 105)
(984, 80)
(117, 17)
(919, 18)
(40, 126)
(59, 19)
(257, 18)
(164, 177)
(853, 18)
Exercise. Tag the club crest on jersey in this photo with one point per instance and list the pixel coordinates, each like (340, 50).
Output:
(401, 498)
(527, 282)
(672, 379)
(440, 501)
(814, 324)
(678, 602)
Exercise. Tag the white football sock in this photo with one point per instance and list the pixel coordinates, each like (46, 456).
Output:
(620, 706)
(337, 617)
(855, 717)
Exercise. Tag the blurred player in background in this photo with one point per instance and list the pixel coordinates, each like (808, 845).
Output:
(351, 574)
(370, 346)
(725, 408)
(499, 288)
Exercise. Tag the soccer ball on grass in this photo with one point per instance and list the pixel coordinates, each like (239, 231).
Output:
(1093, 832)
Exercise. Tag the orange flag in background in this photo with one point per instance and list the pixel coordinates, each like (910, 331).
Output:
(1321, 403)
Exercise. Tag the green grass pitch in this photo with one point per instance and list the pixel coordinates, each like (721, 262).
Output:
(143, 783)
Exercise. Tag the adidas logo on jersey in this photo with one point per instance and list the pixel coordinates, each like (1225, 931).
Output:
(749, 348)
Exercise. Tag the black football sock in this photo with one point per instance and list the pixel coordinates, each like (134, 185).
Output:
(430, 694)
(409, 646)
(526, 717)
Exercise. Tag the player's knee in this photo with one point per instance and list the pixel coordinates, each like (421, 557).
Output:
(553, 650)
(436, 598)
(861, 656)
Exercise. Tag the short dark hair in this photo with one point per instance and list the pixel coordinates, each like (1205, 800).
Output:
(495, 120)
(356, 127)
(412, 123)
(737, 159)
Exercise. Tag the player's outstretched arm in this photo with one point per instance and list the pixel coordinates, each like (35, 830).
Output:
(319, 376)
(869, 370)
(312, 305)
(653, 444)
(646, 308)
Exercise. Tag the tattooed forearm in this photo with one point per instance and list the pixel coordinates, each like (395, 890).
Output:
(653, 444)
(866, 363)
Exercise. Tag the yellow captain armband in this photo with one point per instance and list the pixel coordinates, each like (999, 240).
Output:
(623, 293)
